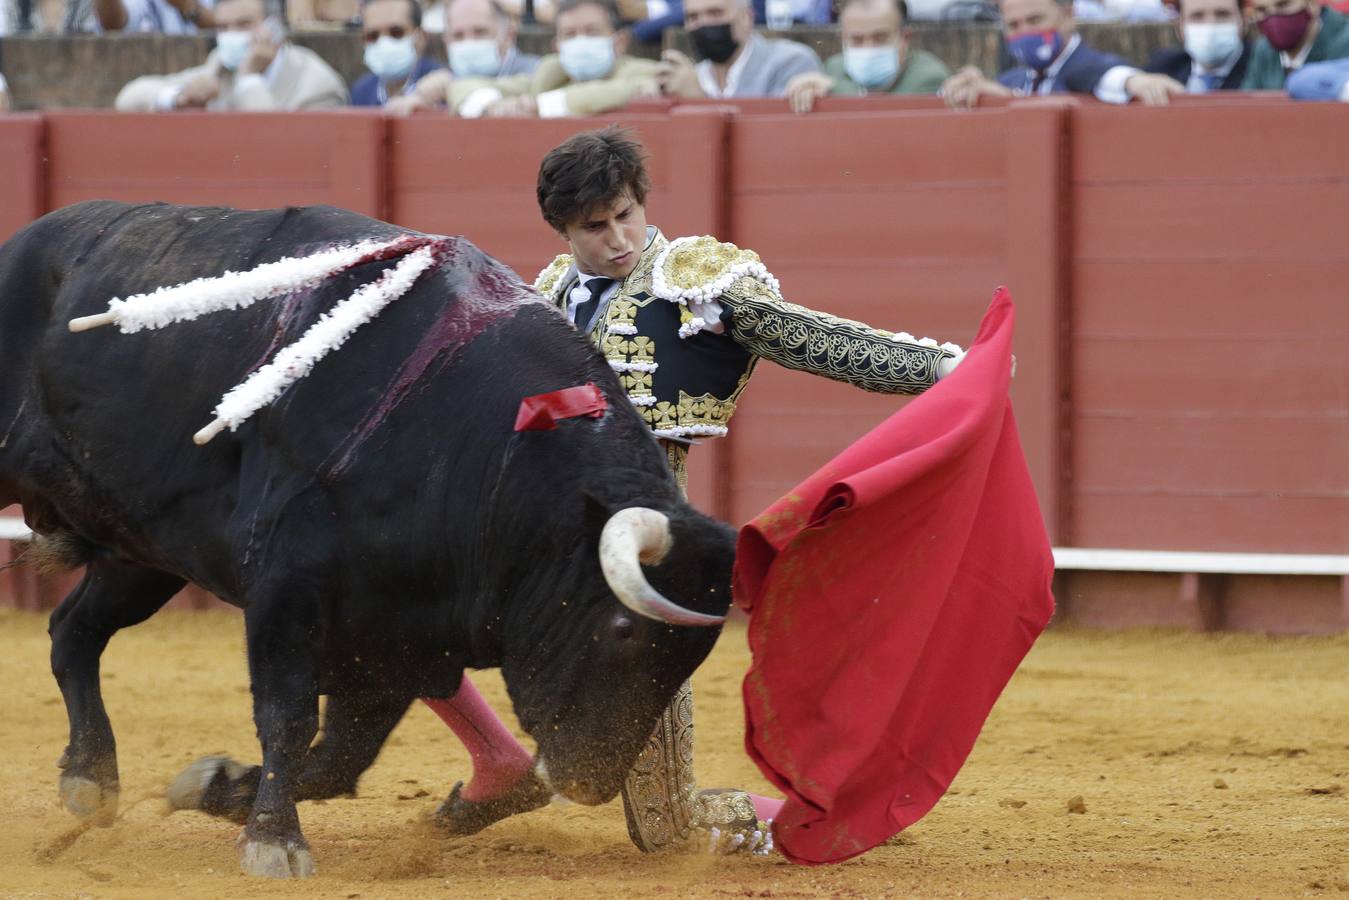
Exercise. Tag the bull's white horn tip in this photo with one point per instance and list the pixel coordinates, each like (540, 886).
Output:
(87, 323)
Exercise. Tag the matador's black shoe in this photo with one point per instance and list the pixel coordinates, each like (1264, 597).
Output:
(464, 817)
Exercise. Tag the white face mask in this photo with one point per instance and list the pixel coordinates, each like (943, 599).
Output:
(872, 67)
(231, 47)
(586, 58)
(1212, 43)
(390, 57)
(478, 58)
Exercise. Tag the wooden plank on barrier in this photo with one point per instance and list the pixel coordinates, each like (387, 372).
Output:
(1209, 267)
(255, 160)
(893, 218)
(23, 198)
(1037, 223)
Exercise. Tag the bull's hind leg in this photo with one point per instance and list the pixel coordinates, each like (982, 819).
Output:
(111, 596)
(355, 726)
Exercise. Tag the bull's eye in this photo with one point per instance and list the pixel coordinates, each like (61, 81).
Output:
(623, 628)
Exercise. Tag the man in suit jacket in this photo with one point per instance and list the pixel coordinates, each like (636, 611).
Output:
(253, 68)
(735, 61)
(591, 73)
(1292, 34)
(1042, 36)
(395, 51)
(1214, 54)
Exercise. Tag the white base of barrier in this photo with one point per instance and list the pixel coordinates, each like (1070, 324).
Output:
(1078, 558)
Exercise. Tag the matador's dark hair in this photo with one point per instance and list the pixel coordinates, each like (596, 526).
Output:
(588, 171)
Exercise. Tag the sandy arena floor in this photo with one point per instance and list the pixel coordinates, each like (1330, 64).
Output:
(1208, 766)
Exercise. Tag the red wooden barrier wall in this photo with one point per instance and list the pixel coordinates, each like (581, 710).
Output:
(1183, 338)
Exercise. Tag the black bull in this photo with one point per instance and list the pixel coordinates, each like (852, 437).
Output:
(381, 524)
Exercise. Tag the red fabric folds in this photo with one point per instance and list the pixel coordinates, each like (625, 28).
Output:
(891, 596)
(542, 412)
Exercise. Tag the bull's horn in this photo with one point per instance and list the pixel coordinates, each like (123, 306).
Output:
(631, 537)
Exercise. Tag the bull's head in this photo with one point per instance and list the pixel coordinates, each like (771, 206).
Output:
(648, 612)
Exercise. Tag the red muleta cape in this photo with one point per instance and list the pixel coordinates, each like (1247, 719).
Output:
(891, 596)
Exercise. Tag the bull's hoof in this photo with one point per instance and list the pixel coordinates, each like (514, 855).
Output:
(291, 860)
(464, 817)
(89, 800)
(216, 785)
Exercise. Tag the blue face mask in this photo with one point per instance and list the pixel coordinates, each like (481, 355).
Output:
(1037, 49)
(231, 47)
(872, 67)
(477, 58)
(390, 57)
(586, 58)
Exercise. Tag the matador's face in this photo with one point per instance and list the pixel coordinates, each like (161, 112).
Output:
(609, 240)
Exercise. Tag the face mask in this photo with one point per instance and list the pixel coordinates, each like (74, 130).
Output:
(714, 42)
(1212, 43)
(1286, 31)
(231, 47)
(390, 57)
(586, 58)
(475, 59)
(871, 67)
(1037, 49)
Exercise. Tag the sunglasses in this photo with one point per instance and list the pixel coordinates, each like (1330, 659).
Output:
(394, 31)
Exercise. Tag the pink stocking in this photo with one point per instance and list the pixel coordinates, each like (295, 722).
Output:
(498, 759)
(766, 807)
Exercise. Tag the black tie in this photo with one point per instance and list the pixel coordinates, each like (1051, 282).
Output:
(586, 311)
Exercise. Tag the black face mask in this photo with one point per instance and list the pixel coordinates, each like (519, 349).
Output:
(714, 42)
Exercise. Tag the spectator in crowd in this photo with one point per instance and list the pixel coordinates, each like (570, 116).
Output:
(590, 73)
(252, 68)
(1042, 36)
(162, 16)
(1214, 54)
(735, 61)
(1321, 81)
(876, 58)
(395, 51)
(480, 41)
(1292, 34)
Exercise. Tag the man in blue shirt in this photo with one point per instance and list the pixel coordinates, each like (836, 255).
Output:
(395, 51)
(1042, 36)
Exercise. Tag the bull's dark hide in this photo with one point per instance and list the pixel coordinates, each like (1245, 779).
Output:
(381, 523)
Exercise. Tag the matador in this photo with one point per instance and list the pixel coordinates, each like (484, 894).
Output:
(683, 323)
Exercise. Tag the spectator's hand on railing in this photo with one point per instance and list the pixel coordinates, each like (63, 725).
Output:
(197, 92)
(431, 90)
(963, 89)
(804, 89)
(406, 105)
(677, 76)
(522, 107)
(1151, 89)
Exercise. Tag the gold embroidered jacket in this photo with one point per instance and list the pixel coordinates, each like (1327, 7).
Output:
(687, 326)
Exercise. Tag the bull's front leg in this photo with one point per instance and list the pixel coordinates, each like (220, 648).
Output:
(283, 649)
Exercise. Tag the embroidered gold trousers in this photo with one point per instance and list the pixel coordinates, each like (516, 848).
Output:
(660, 797)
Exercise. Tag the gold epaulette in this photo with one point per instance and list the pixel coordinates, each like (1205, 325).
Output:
(697, 270)
(547, 281)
